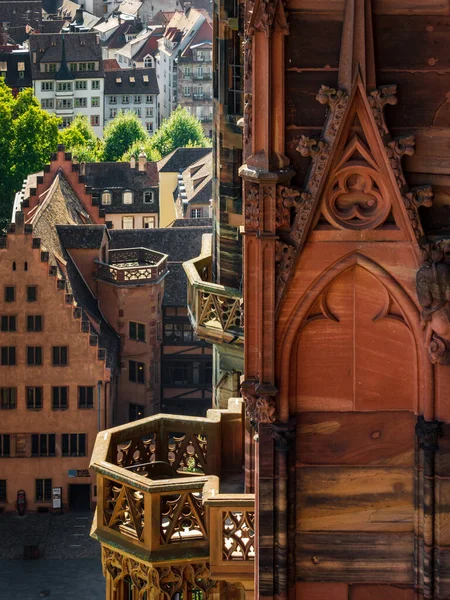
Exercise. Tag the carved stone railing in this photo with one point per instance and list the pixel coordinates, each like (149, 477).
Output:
(216, 311)
(188, 444)
(130, 266)
(159, 500)
(232, 536)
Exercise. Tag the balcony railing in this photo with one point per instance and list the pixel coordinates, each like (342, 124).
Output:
(162, 500)
(216, 311)
(131, 266)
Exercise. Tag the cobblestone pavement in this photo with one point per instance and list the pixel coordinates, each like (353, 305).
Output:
(68, 567)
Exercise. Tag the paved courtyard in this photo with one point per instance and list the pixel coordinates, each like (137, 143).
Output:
(69, 564)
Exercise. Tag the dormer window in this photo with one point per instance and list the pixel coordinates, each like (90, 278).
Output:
(128, 197)
(148, 61)
(106, 198)
(148, 197)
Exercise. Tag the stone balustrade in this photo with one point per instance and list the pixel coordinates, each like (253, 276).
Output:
(216, 311)
(130, 266)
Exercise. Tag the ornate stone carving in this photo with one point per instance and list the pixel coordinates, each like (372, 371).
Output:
(378, 99)
(396, 149)
(301, 218)
(260, 409)
(150, 581)
(248, 118)
(252, 207)
(284, 258)
(433, 293)
(248, 60)
(268, 15)
(337, 101)
(420, 196)
(355, 198)
(428, 433)
(287, 198)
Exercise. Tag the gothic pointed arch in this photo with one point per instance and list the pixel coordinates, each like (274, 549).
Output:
(324, 325)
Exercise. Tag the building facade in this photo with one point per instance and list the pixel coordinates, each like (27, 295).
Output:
(68, 77)
(179, 32)
(135, 90)
(195, 77)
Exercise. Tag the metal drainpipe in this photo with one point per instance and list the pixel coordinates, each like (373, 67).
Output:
(99, 392)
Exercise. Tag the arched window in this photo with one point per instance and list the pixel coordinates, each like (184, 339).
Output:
(25, 266)
(106, 198)
(128, 197)
(148, 61)
(14, 265)
(148, 197)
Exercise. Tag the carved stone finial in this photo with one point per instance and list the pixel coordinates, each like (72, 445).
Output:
(433, 293)
(428, 433)
(310, 146)
(378, 99)
(267, 16)
(416, 197)
(395, 150)
(357, 52)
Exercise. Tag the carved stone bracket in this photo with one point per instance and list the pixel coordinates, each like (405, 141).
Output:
(283, 434)
(252, 207)
(260, 403)
(428, 433)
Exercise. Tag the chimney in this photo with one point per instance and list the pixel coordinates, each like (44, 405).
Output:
(132, 163)
(142, 162)
(20, 221)
(79, 16)
(187, 8)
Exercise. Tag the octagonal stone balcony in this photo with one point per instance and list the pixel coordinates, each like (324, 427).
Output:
(171, 506)
(132, 266)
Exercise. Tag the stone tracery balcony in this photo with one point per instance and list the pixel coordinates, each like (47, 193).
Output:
(132, 266)
(164, 511)
(216, 311)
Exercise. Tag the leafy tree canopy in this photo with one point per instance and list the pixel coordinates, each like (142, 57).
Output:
(79, 133)
(180, 130)
(121, 133)
(151, 153)
(28, 136)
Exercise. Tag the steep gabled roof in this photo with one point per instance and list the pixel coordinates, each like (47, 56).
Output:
(180, 159)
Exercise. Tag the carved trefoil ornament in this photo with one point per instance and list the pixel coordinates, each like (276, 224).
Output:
(433, 293)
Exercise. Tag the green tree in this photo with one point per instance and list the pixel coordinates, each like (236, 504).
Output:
(151, 153)
(28, 136)
(79, 133)
(121, 133)
(180, 130)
